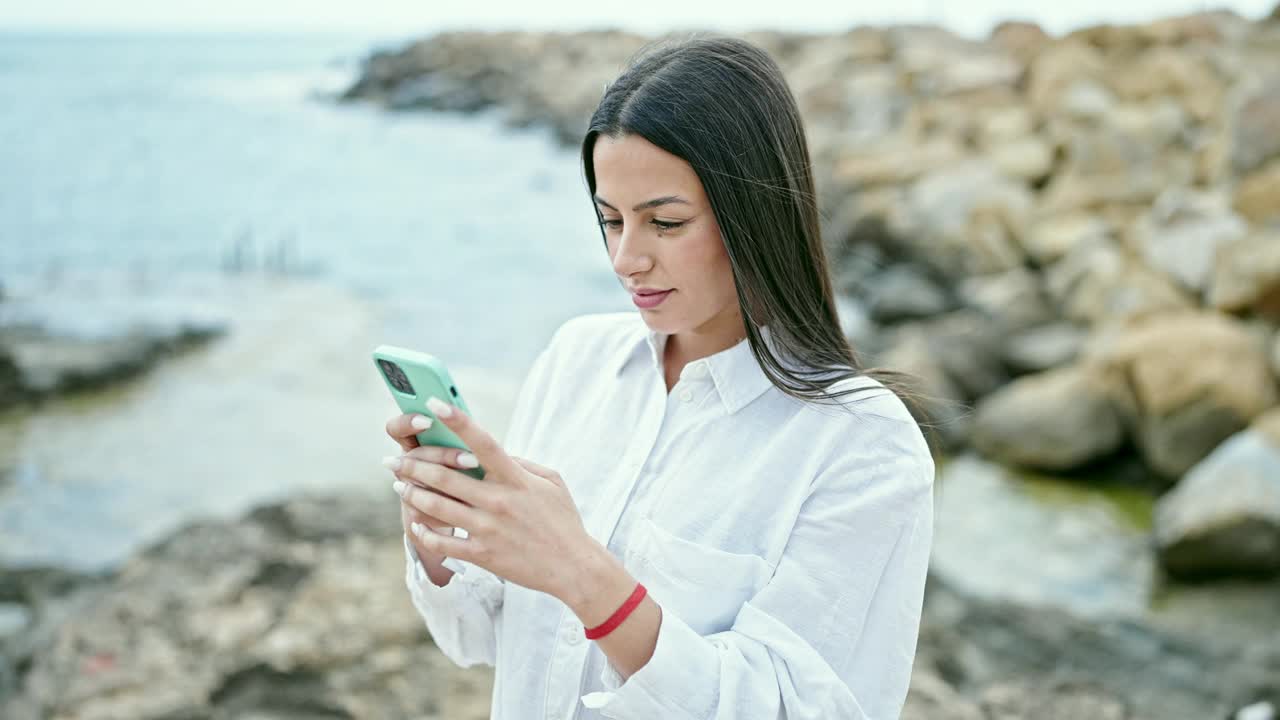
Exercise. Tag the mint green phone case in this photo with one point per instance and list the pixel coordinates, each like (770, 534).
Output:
(414, 376)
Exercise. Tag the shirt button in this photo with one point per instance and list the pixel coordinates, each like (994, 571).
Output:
(574, 634)
(699, 370)
(686, 395)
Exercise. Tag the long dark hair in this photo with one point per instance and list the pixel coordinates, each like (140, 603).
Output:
(722, 104)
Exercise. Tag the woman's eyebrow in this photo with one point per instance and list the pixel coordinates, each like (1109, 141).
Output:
(647, 203)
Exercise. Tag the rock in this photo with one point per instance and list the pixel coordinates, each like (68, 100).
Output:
(897, 161)
(1183, 232)
(1087, 100)
(1055, 420)
(932, 698)
(1014, 299)
(1050, 663)
(1176, 410)
(968, 345)
(1029, 159)
(1246, 276)
(1224, 516)
(1257, 196)
(1181, 74)
(911, 349)
(978, 71)
(41, 364)
(1097, 283)
(1051, 238)
(1066, 701)
(1022, 40)
(1058, 68)
(1256, 126)
(903, 292)
(967, 219)
(1044, 347)
(296, 610)
(1122, 155)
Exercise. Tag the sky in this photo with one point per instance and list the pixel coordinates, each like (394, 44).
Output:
(414, 17)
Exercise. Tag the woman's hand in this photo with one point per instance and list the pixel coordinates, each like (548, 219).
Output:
(521, 521)
(404, 430)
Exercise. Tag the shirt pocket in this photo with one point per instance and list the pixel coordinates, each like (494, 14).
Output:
(704, 585)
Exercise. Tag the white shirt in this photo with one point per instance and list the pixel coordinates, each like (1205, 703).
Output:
(786, 542)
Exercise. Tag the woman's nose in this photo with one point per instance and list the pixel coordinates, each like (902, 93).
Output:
(628, 256)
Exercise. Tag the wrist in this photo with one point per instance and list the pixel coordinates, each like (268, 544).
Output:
(600, 585)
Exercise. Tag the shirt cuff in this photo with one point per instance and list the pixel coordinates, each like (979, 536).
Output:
(679, 680)
(468, 578)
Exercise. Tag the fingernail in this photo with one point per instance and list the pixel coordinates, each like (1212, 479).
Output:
(439, 407)
(416, 528)
(466, 459)
(392, 462)
(420, 422)
(399, 487)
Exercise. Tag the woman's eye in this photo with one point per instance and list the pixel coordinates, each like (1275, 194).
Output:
(660, 224)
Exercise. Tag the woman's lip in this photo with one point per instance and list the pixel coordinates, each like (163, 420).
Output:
(656, 292)
(651, 300)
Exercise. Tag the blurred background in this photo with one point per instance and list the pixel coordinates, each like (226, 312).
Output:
(1065, 221)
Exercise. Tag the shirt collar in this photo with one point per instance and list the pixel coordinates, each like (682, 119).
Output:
(737, 375)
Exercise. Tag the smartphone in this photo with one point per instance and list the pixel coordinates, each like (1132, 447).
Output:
(414, 376)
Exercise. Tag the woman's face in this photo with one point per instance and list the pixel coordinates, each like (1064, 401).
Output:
(671, 242)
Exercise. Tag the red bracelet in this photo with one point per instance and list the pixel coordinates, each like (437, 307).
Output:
(618, 615)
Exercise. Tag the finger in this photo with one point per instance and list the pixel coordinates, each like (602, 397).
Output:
(447, 545)
(484, 446)
(416, 515)
(451, 511)
(441, 479)
(402, 429)
(540, 470)
(451, 457)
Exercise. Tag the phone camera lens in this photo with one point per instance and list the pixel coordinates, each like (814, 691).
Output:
(396, 376)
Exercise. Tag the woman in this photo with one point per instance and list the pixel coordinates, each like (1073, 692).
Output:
(702, 535)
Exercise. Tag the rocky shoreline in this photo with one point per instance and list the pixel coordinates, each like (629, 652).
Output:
(299, 610)
(1073, 241)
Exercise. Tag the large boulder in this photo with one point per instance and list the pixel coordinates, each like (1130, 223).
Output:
(1114, 154)
(911, 349)
(296, 610)
(1098, 283)
(1183, 381)
(1055, 420)
(1182, 233)
(1044, 347)
(1224, 516)
(1014, 299)
(967, 218)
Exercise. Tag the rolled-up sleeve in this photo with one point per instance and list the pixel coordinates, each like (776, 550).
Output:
(833, 634)
(461, 614)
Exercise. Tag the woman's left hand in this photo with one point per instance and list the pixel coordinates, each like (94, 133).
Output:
(521, 521)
